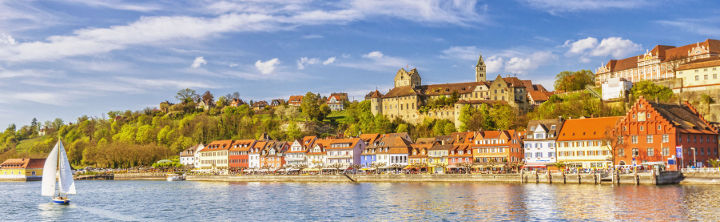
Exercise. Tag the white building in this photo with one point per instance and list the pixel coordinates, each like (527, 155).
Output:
(615, 88)
(316, 155)
(191, 156)
(254, 154)
(215, 155)
(345, 151)
(392, 150)
(540, 142)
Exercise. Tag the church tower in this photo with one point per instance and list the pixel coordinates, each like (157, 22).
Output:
(480, 71)
(407, 78)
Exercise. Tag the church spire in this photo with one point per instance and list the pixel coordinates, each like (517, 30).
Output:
(480, 71)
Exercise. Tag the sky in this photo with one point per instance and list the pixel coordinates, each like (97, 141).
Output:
(68, 58)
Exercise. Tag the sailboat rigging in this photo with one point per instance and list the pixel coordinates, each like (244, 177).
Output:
(57, 179)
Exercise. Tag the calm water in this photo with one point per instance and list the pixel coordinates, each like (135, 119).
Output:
(212, 201)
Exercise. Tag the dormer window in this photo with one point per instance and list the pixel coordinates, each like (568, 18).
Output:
(552, 127)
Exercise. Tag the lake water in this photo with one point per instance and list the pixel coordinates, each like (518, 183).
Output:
(212, 201)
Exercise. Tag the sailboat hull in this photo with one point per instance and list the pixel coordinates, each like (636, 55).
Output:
(61, 201)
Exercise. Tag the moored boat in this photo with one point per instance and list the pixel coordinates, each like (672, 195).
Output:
(175, 177)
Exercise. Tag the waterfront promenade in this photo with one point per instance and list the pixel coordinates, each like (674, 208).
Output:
(644, 178)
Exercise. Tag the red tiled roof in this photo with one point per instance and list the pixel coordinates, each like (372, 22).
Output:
(240, 143)
(700, 64)
(217, 145)
(23, 163)
(588, 128)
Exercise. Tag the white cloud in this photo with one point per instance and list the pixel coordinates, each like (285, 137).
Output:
(512, 60)
(313, 36)
(703, 26)
(306, 61)
(616, 47)
(329, 61)
(6, 39)
(199, 61)
(523, 65)
(35, 97)
(580, 46)
(461, 52)
(494, 64)
(613, 46)
(267, 67)
(373, 55)
(374, 61)
(558, 6)
(118, 5)
(460, 12)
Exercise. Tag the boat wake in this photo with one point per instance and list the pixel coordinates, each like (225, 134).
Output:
(108, 214)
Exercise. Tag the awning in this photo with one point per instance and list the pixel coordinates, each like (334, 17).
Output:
(248, 170)
(364, 168)
(311, 169)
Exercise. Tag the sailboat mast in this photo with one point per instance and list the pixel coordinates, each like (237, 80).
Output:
(57, 170)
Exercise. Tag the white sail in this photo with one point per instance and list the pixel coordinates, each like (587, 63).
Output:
(49, 172)
(67, 184)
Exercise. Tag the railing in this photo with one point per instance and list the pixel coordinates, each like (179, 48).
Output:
(701, 170)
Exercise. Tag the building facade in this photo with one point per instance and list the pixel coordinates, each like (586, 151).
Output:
(652, 133)
(496, 149)
(539, 142)
(587, 143)
(215, 155)
(190, 156)
(660, 63)
(410, 101)
(22, 169)
(238, 154)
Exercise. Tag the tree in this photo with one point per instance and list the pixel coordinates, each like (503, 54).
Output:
(293, 131)
(186, 95)
(707, 99)
(207, 97)
(572, 81)
(651, 91)
(402, 128)
(310, 106)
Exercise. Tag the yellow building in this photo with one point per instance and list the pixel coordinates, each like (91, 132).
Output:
(700, 76)
(21, 169)
(583, 143)
(413, 102)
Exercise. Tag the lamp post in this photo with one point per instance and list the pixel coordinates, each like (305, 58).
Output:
(694, 159)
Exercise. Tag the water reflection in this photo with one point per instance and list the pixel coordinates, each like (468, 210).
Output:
(200, 201)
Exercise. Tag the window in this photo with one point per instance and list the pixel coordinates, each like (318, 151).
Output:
(659, 127)
(642, 128)
(665, 151)
(635, 152)
(649, 138)
(706, 77)
(634, 139)
(697, 77)
(550, 154)
(650, 152)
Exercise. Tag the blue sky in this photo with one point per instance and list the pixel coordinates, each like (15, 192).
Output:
(71, 58)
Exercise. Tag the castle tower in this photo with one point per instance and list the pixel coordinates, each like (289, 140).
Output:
(480, 71)
(407, 78)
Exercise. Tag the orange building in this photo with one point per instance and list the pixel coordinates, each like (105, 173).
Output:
(587, 142)
(272, 157)
(238, 156)
(497, 148)
(651, 132)
(461, 152)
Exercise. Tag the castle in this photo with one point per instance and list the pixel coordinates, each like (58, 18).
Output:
(408, 99)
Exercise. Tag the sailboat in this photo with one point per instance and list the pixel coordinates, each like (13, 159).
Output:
(57, 178)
